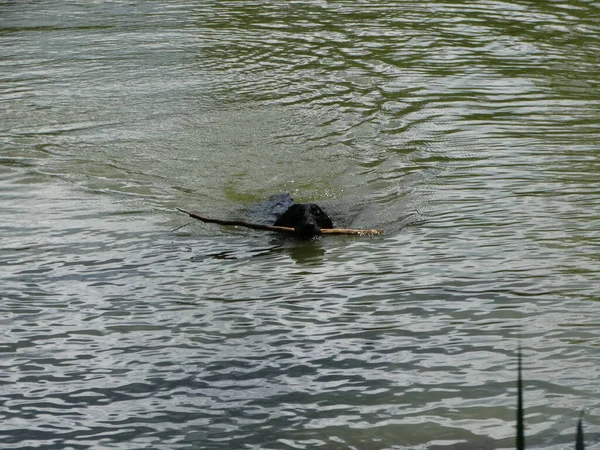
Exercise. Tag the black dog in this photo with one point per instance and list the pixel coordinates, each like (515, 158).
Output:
(307, 219)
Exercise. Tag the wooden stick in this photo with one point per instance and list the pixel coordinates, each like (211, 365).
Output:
(257, 226)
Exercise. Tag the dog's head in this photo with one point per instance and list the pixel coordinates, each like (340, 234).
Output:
(306, 219)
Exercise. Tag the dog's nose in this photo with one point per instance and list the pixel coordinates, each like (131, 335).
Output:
(307, 229)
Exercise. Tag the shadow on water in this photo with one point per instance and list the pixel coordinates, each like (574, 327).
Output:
(305, 252)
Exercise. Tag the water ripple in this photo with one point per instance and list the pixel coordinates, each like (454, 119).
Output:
(467, 131)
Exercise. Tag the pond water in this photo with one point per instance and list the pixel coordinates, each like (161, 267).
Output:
(469, 132)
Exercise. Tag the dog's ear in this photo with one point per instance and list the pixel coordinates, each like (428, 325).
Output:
(321, 217)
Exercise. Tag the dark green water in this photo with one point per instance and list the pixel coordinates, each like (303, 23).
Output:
(468, 131)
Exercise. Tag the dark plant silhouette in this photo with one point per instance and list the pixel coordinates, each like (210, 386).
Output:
(520, 420)
(520, 441)
(579, 441)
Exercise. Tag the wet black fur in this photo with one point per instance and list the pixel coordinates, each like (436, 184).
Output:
(306, 218)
